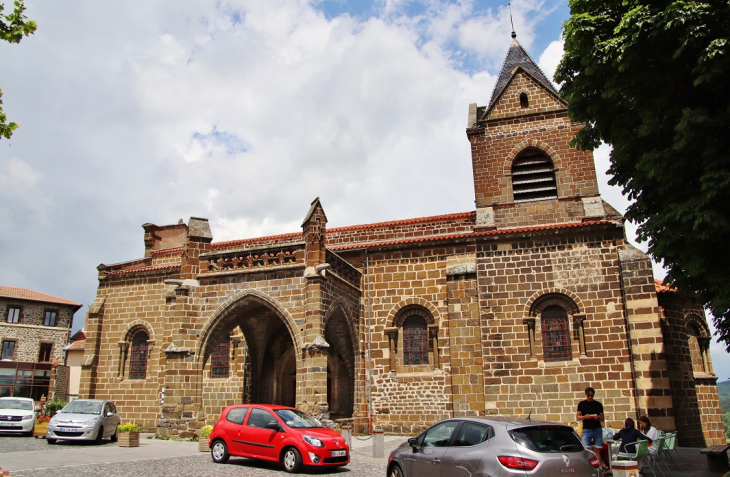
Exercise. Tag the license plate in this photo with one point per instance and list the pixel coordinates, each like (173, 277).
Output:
(7, 424)
(339, 453)
(68, 429)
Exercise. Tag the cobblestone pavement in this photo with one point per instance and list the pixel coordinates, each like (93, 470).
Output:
(30, 457)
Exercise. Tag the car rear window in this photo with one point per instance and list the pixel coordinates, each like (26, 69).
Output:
(547, 438)
(236, 415)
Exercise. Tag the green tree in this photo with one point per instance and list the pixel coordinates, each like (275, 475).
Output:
(13, 27)
(650, 78)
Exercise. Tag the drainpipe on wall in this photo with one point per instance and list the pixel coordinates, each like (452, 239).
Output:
(628, 338)
(370, 341)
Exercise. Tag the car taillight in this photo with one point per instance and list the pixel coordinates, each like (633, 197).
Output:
(517, 462)
(595, 462)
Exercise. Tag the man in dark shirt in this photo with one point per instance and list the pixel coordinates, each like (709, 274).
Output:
(590, 413)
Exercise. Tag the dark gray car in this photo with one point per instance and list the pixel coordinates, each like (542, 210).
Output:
(84, 420)
(494, 447)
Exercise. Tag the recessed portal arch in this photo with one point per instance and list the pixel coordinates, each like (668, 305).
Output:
(263, 338)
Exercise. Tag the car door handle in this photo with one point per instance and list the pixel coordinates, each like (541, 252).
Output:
(436, 461)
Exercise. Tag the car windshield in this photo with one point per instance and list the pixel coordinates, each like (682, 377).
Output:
(547, 438)
(20, 404)
(297, 419)
(83, 407)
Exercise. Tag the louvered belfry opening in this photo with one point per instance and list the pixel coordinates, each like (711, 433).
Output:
(533, 177)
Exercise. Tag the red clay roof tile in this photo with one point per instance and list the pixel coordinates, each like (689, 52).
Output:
(25, 294)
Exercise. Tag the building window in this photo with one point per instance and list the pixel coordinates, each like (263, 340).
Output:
(220, 361)
(44, 354)
(533, 177)
(555, 334)
(50, 319)
(13, 314)
(696, 351)
(415, 341)
(8, 349)
(138, 361)
(524, 102)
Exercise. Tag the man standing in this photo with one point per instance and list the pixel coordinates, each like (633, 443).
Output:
(590, 413)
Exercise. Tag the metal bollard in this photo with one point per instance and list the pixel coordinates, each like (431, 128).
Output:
(378, 443)
(347, 434)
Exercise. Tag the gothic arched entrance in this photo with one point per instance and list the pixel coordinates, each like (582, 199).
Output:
(340, 365)
(253, 337)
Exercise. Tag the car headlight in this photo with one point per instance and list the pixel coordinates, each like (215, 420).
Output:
(312, 441)
(90, 422)
(28, 417)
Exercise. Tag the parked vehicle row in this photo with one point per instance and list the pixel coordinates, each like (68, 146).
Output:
(494, 446)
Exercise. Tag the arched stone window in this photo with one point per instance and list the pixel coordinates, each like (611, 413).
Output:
(415, 341)
(533, 177)
(698, 344)
(524, 101)
(556, 341)
(554, 312)
(138, 358)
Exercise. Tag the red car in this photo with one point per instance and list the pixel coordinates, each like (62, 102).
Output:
(276, 433)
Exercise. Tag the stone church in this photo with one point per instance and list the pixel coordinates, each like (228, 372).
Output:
(511, 308)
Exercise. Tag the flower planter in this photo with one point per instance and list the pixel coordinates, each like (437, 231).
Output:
(128, 439)
(203, 444)
(39, 429)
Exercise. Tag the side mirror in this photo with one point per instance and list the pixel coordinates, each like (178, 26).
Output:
(413, 442)
(109, 414)
(274, 426)
(37, 409)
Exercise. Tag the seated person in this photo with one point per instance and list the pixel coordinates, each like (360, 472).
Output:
(629, 435)
(650, 431)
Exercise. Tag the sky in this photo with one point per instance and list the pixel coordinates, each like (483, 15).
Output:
(243, 112)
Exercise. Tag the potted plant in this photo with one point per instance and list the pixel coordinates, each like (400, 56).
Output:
(204, 438)
(41, 426)
(128, 435)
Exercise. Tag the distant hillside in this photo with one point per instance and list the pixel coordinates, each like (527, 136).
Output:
(724, 390)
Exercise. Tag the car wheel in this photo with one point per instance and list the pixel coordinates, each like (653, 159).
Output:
(291, 460)
(219, 452)
(99, 436)
(29, 433)
(51, 441)
(115, 436)
(395, 471)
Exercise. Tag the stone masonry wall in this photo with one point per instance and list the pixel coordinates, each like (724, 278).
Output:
(696, 401)
(511, 277)
(30, 331)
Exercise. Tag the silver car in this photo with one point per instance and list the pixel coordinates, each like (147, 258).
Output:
(17, 414)
(84, 420)
(494, 446)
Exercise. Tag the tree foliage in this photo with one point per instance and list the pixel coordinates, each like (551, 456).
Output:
(13, 27)
(650, 78)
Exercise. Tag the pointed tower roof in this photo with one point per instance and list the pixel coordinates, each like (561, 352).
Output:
(518, 57)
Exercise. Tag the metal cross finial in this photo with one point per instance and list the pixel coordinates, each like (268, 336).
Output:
(514, 35)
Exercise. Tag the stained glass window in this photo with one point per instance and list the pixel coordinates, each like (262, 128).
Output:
(555, 334)
(220, 361)
(138, 367)
(415, 341)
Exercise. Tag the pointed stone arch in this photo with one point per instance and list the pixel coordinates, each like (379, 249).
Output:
(236, 301)
(341, 335)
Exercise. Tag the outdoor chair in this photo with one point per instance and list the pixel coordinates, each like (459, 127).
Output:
(669, 446)
(642, 450)
(655, 460)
